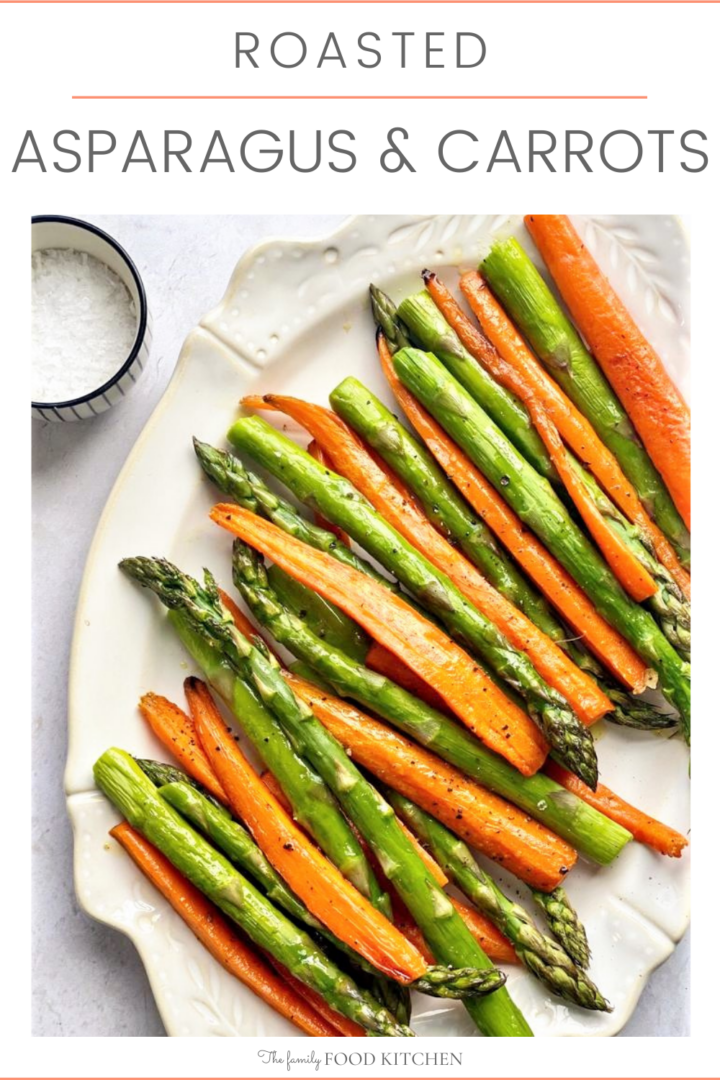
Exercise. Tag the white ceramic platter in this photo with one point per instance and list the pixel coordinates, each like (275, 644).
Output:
(296, 318)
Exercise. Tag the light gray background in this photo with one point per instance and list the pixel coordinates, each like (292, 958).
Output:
(87, 978)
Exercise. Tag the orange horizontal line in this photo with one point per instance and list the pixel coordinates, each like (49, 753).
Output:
(347, 97)
(686, 3)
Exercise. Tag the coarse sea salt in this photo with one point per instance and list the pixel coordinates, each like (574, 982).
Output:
(84, 324)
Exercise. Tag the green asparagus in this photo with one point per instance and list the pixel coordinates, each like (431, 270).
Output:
(444, 930)
(235, 842)
(371, 814)
(341, 503)
(533, 308)
(673, 613)
(669, 604)
(314, 805)
(217, 825)
(595, 835)
(232, 478)
(634, 712)
(439, 497)
(430, 331)
(226, 834)
(565, 924)
(539, 508)
(442, 502)
(453, 742)
(542, 956)
(323, 618)
(161, 774)
(135, 796)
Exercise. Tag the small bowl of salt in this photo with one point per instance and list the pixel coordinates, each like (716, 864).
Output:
(90, 323)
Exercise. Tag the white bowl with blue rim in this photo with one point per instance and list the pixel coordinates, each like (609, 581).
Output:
(54, 231)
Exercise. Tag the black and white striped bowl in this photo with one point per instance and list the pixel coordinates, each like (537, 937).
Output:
(53, 231)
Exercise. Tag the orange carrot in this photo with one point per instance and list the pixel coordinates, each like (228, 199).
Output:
(404, 631)
(379, 659)
(633, 368)
(437, 872)
(176, 732)
(542, 567)
(497, 947)
(341, 1024)
(242, 622)
(322, 459)
(390, 498)
(496, 828)
(407, 925)
(272, 785)
(508, 359)
(488, 937)
(211, 929)
(492, 941)
(312, 877)
(252, 401)
(495, 944)
(644, 828)
(631, 574)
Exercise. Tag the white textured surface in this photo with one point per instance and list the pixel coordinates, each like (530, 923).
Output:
(88, 980)
(84, 324)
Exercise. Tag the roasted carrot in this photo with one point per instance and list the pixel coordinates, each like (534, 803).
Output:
(252, 401)
(631, 574)
(426, 857)
(497, 829)
(631, 365)
(400, 509)
(176, 732)
(488, 937)
(547, 573)
(242, 622)
(211, 929)
(412, 932)
(404, 631)
(272, 785)
(312, 877)
(382, 661)
(506, 356)
(340, 1024)
(378, 658)
(316, 451)
(486, 933)
(645, 829)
